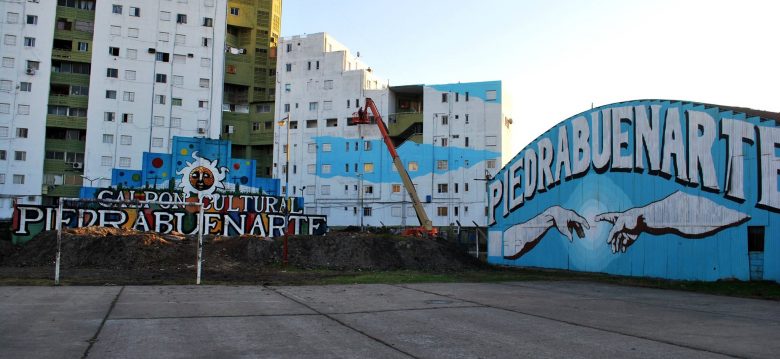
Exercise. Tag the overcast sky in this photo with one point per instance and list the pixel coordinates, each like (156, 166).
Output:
(559, 57)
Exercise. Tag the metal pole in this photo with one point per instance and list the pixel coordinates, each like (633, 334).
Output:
(59, 244)
(286, 232)
(200, 242)
(287, 164)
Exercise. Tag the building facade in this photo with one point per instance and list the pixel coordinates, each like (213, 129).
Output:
(450, 137)
(112, 80)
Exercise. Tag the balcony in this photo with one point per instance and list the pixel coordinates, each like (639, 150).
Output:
(400, 122)
(59, 166)
(69, 100)
(65, 145)
(69, 78)
(79, 123)
(70, 191)
(75, 14)
(78, 56)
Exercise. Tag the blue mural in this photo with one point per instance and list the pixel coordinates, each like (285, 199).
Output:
(160, 168)
(424, 155)
(474, 89)
(644, 188)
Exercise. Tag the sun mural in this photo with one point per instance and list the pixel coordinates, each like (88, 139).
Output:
(202, 177)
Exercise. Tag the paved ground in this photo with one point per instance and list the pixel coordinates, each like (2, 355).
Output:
(509, 320)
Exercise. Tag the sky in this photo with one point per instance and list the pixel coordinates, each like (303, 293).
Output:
(558, 58)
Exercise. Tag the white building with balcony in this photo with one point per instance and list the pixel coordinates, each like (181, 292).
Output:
(450, 137)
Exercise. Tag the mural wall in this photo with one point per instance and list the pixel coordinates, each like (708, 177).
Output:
(198, 170)
(645, 188)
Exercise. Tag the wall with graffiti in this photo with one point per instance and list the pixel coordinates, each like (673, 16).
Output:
(235, 202)
(645, 188)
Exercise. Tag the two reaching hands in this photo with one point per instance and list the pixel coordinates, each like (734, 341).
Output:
(626, 225)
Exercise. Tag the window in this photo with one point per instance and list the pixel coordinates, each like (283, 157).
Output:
(444, 97)
(180, 39)
(445, 120)
(128, 96)
(181, 18)
(413, 166)
(33, 65)
(177, 80)
(126, 140)
(313, 106)
(111, 94)
(107, 138)
(234, 11)
(326, 147)
(10, 40)
(441, 165)
(289, 47)
(442, 188)
(311, 169)
(203, 104)
(12, 17)
(109, 116)
(127, 118)
(79, 90)
(163, 36)
(2, 156)
(491, 163)
(208, 22)
(396, 188)
(444, 142)
(490, 140)
(263, 108)
(5, 85)
(441, 211)
(206, 41)
(129, 75)
(112, 73)
(366, 145)
(179, 59)
(3, 131)
(325, 189)
(116, 9)
(326, 169)
(8, 62)
(367, 211)
(205, 62)
(157, 142)
(21, 132)
(124, 161)
(204, 83)
(466, 144)
(175, 122)
(328, 84)
(23, 110)
(158, 121)
(132, 54)
(159, 99)
(18, 179)
(113, 51)
(30, 41)
(106, 161)
(287, 107)
(368, 189)
(288, 67)
(465, 187)
(161, 78)
(327, 105)
(32, 19)
(134, 11)
(312, 147)
(368, 167)
(20, 156)
(490, 95)
(176, 101)
(132, 32)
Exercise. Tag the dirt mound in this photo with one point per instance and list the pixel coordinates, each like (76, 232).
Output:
(109, 248)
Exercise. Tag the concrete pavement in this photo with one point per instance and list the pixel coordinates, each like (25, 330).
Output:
(488, 320)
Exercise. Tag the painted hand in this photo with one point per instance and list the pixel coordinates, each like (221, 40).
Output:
(567, 221)
(626, 228)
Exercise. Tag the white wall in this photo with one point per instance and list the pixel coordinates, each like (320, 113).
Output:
(13, 96)
(196, 62)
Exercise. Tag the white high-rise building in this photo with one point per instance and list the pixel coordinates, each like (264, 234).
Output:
(26, 31)
(450, 137)
(157, 71)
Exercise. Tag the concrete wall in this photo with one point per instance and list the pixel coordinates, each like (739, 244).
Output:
(645, 188)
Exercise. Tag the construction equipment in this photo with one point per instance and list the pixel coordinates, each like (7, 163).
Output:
(426, 226)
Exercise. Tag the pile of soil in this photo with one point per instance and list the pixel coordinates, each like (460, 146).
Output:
(227, 258)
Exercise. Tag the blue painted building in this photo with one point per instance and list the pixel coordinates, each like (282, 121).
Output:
(649, 188)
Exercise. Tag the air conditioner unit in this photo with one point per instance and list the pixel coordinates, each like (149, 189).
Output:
(78, 165)
(230, 129)
(190, 55)
(152, 50)
(30, 71)
(201, 131)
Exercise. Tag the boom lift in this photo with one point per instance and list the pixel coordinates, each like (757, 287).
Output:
(426, 226)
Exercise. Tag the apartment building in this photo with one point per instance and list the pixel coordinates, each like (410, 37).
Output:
(451, 137)
(88, 86)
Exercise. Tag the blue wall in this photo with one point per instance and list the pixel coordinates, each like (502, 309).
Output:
(691, 226)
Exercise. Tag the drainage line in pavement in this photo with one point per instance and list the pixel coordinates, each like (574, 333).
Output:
(292, 297)
(571, 323)
(93, 340)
